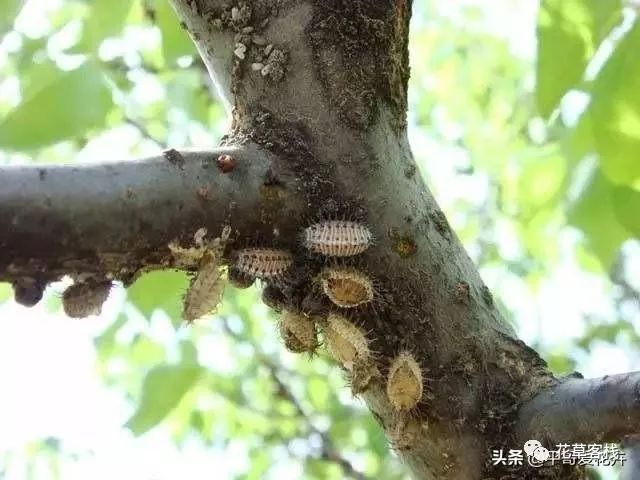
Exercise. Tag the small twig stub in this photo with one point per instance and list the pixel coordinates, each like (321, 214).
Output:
(174, 157)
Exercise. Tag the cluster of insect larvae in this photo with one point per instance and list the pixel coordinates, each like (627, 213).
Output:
(347, 288)
(205, 291)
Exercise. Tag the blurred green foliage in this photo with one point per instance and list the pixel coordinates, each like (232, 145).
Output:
(550, 158)
(569, 33)
(48, 113)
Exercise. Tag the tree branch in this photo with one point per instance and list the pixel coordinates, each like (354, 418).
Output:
(321, 85)
(331, 104)
(583, 410)
(144, 132)
(116, 219)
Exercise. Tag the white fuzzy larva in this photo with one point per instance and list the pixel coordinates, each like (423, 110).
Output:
(263, 262)
(345, 341)
(205, 290)
(85, 298)
(350, 347)
(298, 332)
(190, 256)
(346, 287)
(337, 238)
(207, 286)
(404, 383)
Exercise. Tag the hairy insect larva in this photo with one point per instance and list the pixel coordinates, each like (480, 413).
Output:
(186, 256)
(345, 341)
(404, 383)
(346, 287)
(350, 347)
(362, 374)
(273, 297)
(28, 291)
(298, 332)
(263, 262)
(239, 279)
(85, 298)
(337, 238)
(205, 290)
(207, 286)
(190, 256)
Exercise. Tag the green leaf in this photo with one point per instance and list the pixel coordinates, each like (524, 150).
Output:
(37, 76)
(188, 353)
(606, 332)
(106, 18)
(6, 291)
(615, 111)
(593, 213)
(605, 15)
(175, 40)
(67, 106)
(569, 32)
(626, 204)
(9, 9)
(559, 362)
(162, 289)
(162, 390)
(318, 393)
(106, 340)
(31, 54)
(541, 181)
(578, 141)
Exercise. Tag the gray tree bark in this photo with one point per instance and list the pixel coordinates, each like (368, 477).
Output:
(318, 95)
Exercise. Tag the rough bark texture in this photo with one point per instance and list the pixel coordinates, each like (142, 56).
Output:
(584, 410)
(317, 92)
(336, 119)
(116, 220)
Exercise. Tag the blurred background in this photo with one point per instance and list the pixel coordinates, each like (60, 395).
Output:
(525, 122)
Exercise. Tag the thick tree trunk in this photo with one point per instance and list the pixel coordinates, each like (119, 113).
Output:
(317, 91)
(337, 121)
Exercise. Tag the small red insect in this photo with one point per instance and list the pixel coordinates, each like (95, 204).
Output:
(226, 163)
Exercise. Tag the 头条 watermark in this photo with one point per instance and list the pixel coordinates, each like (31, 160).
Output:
(535, 455)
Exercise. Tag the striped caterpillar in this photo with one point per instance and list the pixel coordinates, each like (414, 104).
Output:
(337, 238)
(262, 262)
